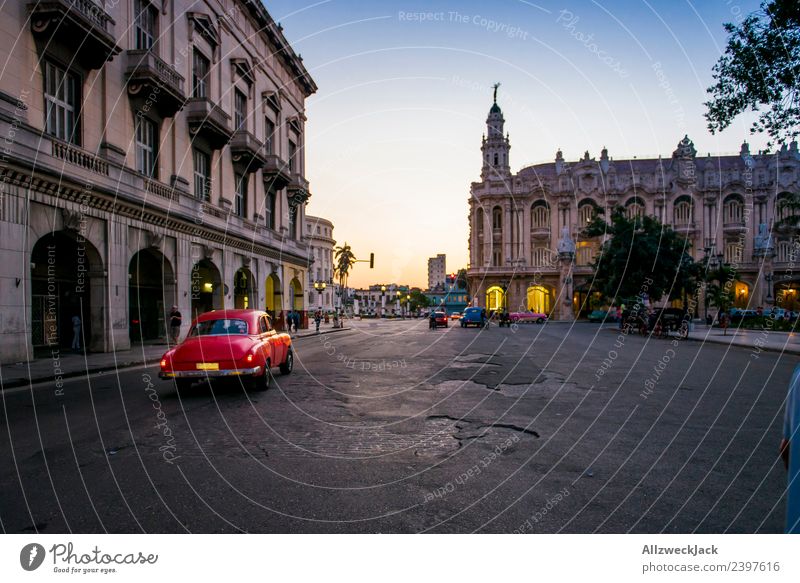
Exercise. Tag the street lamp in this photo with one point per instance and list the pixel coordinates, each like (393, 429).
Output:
(769, 278)
(397, 301)
(408, 305)
(320, 287)
(383, 300)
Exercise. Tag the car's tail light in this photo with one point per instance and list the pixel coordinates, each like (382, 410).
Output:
(163, 363)
(249, 357)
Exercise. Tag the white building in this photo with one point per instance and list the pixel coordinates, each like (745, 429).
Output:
(437, 271)
(318, 233)
(154, 155)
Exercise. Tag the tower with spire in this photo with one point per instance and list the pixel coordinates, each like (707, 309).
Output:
(495, 145)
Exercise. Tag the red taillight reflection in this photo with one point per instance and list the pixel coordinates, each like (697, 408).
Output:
(163, 363)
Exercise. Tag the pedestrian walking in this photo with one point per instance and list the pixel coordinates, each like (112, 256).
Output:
(790, 452)
(318, 319)
(432, 321)
(175, 321)
(290, 321)
(723, 322)
(76, 332)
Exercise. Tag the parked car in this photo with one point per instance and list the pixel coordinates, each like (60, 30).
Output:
(455, 316)
(602, 316)
(472, 317)
(440, 318)
(528, 317)
(229, 344)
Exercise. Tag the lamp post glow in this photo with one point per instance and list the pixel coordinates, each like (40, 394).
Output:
(383, 300)
(320, 287)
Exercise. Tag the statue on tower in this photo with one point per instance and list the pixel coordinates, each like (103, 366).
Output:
(566, 245)
(495, 87)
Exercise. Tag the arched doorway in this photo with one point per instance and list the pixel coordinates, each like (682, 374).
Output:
(741, 295)
(244, 290)
(298, 303)
(540, 299)
(495, 298)
(151, 292)
(67, 280)
(787, 295)
(206, 286)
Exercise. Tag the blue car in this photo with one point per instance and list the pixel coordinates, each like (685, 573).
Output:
(472, 317)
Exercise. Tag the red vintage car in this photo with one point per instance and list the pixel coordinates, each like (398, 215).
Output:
(229, 344)
(440, 318)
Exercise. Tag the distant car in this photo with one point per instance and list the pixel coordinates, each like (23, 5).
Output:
(472, 317)
(455, 316)
(527, 317)
(602, 316)
(440, 318)
(229, 344)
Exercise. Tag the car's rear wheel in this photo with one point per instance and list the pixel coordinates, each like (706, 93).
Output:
(287, 366)
(262, 383)
(540, 321)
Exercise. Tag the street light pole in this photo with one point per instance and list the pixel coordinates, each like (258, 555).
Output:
(320, 287)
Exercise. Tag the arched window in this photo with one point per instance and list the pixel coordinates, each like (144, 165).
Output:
(540, 215)
(733, 209)
(785, 206)
(479, 222)
(497, 218)
(785, 252)
(733, 253)
(586, 212)
(634, 208)
(682, 212)
(584, 253)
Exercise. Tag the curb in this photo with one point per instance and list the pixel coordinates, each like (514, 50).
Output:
(24, 381)
(787, 349)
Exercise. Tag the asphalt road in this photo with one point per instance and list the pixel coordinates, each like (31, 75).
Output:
(391, 427)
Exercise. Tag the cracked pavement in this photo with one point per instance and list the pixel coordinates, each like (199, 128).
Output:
(391, 427)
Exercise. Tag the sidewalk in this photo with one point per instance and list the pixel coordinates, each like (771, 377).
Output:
(756, 340)
(67, 364)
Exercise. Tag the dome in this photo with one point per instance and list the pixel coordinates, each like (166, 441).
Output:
(495, 109)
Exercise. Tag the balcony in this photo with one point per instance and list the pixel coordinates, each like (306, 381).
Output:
(81, 27)
(276, 172)
(298, 189)
(540, 233)
(685, 228)
(207, 121)
(734, 227)
(247, 152)
(153, 82)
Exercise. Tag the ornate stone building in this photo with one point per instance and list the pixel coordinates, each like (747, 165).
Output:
(319, 235)
(526, 247)
(153, 155)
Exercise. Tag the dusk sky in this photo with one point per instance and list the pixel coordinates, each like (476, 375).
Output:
(394, 131)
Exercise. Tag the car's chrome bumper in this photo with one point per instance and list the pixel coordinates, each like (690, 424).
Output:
(198, 374)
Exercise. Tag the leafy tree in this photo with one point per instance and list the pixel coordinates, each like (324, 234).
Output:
(418, 300)
(719, 288)
(760, 72)
(461, 280)
(640, 256)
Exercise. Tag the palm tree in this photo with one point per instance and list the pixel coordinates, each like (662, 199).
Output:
(345, 259)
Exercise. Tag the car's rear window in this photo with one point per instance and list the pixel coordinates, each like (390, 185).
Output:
(220, 327)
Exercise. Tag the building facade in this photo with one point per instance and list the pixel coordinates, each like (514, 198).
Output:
(437, 271)
(382, 300)
(526, 245)
(319, 235)
(450, 297)
(153, 155)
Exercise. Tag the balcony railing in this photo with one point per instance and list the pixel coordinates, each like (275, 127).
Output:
(247, 151)
(276, 171)
(154, 81)
(79, 157)
(208, 120)
(82, 25)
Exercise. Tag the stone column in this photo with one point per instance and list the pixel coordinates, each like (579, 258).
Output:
(507, 217)
(564, 308)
